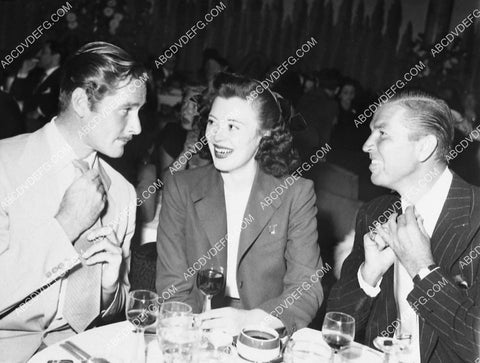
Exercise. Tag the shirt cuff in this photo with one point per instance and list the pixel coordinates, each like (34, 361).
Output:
(371, 291)
(424, 272)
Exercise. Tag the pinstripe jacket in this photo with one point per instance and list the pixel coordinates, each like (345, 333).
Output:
(447, 301)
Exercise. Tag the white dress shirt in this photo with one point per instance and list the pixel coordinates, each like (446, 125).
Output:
(235, 205)
(429, 207)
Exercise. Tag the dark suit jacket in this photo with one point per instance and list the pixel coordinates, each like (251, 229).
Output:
(43, 96)
(270, 266)
(450, 319)
(11, 121)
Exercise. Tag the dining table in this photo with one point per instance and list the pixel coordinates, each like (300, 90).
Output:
(117, 343)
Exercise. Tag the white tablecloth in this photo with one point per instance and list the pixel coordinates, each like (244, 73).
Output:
(116, 343)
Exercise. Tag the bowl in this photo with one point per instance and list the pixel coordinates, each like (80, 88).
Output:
(258, 344)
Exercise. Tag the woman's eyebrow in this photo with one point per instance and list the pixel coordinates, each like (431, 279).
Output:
(235, 120)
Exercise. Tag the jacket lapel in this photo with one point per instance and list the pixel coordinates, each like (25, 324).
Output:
(48, 164)
(209, 200)
(263, 185)
(449, 236)
(449, 242)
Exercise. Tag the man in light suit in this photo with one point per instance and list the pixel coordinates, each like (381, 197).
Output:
(413, 268)
(67, 217)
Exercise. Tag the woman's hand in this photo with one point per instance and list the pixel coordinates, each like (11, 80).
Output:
(232, 320)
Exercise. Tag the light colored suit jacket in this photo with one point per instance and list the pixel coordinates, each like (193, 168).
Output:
(278, 251)
(34, 248)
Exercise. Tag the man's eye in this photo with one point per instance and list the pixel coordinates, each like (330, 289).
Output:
(232, 127)
(124, 111)
(210, 122)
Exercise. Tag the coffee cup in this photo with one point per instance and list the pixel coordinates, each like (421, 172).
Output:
(258, 343)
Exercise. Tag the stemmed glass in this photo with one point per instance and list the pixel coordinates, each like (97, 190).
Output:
(142, 312)
(210, 281)
(338, 330)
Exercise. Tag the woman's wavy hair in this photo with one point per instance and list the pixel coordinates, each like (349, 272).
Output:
(275, 155)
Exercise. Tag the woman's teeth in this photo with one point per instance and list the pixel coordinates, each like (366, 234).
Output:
(222, 152)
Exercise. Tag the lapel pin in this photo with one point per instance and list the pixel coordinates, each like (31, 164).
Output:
(271, 228)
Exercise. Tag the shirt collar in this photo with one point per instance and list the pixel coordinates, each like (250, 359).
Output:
(431, 203)
(50, 71)
(58, 144)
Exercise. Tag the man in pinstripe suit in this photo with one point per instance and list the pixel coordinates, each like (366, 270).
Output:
(414, 265)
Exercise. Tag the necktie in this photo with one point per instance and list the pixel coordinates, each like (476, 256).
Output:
(83, 293)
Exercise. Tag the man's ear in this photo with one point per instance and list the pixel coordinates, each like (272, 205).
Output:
(426, 147)
(80, 102)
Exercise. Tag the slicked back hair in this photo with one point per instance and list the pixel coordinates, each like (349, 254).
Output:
(98, 68)
(427, 115)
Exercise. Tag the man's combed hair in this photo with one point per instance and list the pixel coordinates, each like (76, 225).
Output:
(98, 68)
(428, 115)
(276, 155)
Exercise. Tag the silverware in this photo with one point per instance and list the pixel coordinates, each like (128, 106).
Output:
(78, 350)
(80, 354)
(71, 351)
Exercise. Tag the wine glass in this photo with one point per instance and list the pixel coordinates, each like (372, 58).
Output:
(210, 281)
(338, 330)
(142, 312)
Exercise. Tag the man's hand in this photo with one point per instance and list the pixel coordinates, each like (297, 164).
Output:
(106, 250)
(378, 256)
(232, 320)
(82, 203)
(410, 241)
(27, 66)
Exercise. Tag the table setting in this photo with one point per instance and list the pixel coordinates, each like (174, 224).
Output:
(169, 332)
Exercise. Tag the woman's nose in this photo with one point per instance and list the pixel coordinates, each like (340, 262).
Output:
(219, 133)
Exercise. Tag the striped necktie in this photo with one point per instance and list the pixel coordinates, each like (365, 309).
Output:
(83, 293)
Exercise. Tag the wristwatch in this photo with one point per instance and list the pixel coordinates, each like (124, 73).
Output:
(424, 272)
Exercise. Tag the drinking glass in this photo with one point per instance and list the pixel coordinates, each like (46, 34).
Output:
(305, 351)
(172, 309)
(338, 331)
(179, 338)
(398, 347)
(142, 312)
(210, 281)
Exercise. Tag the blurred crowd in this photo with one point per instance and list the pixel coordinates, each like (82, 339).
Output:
(325, 105)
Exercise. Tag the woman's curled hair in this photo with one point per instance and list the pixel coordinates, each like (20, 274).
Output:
(275, 155)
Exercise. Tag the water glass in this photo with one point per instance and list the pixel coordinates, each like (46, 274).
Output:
(173, 309)
(179, 338)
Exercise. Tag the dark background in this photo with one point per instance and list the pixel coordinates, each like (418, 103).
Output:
(374, 41)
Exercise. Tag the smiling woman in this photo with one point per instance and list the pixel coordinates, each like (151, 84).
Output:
(265, 261)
